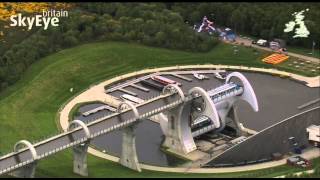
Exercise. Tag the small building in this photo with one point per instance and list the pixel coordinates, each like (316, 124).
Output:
(314, 135)
(281, 42)
(230, 35)
(274, 45)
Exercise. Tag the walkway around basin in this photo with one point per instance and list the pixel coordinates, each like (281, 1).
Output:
(97, 93)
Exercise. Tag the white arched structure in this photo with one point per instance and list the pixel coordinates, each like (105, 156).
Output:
(29, 146)
(127, 104)
(210, 109)
(171, 87)
(83, 125)
(179, 137)
(80, 165)
(163, 119)
(129, 157)
(248, 93)
(29, 170)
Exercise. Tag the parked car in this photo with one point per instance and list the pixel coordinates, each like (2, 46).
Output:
(199, 76)
(298, 161)
(284, 49)
(262, 42)
(295, 145)
(220, 75)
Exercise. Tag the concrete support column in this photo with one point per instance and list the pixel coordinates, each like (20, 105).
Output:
(235, 120)
(129, 157)
(80, 165)
(27, 171)
(179, 138)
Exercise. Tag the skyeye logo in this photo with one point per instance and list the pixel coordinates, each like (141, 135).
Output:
(46, 19)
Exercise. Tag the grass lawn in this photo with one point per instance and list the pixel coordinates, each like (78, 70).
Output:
(28, 109)
(292, 63)
(305, 51)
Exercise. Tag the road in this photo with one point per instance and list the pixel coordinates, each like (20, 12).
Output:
(247, 42)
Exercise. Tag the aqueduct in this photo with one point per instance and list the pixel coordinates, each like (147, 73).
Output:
(216, 104)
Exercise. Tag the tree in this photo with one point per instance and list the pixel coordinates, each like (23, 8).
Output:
(238, 20)
(70, 38)
(160, 38)
(174, 18)
(195, 17)
(87, 33)
(150, 27)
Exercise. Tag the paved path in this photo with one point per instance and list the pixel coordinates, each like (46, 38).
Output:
(247, 42)
(97, 93)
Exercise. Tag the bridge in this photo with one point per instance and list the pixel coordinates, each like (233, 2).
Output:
(178, 136)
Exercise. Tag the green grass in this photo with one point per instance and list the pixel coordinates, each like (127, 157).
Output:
(28, 109)
(305, 51)
(306, 67)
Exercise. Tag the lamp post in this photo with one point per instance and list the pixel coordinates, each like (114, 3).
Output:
(313, 44)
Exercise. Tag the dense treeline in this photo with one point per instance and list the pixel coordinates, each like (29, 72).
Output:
(167, 25)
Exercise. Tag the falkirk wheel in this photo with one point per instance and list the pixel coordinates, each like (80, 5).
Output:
(216, 107)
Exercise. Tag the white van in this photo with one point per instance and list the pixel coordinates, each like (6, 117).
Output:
(262, 42)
